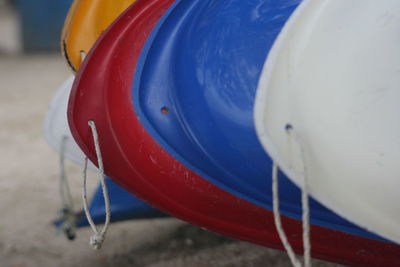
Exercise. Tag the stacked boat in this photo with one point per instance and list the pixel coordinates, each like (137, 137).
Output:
(197, 103)
(84, 24)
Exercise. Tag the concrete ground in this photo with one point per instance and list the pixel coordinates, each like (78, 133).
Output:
(29, 198)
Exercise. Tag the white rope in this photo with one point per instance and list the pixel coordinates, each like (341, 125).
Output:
(277, 218)
(69, 217)
(305, 217)
(306, 222)
(97, 239)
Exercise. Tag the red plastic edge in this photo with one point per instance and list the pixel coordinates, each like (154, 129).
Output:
(102, 92)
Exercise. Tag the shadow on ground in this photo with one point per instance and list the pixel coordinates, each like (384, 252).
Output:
(188, 245)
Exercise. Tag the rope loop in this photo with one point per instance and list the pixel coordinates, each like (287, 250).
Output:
(68, 214)
(97, 239)
(305, 215)
(277, 218)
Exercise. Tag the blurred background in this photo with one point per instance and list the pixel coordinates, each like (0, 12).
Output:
(31, 69)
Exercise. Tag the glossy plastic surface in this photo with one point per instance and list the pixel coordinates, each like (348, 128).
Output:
(124, 206)
(194, 90)
(56, 129)
(342, 103)
(85, 22)
(102, 92)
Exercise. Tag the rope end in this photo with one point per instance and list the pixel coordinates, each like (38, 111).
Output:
(96, 241)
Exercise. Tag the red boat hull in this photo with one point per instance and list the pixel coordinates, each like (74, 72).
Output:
(102, 92)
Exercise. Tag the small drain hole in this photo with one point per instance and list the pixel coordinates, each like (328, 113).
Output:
(164, 110)
(288, 127)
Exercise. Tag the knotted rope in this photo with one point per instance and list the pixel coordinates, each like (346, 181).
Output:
(97, 239)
